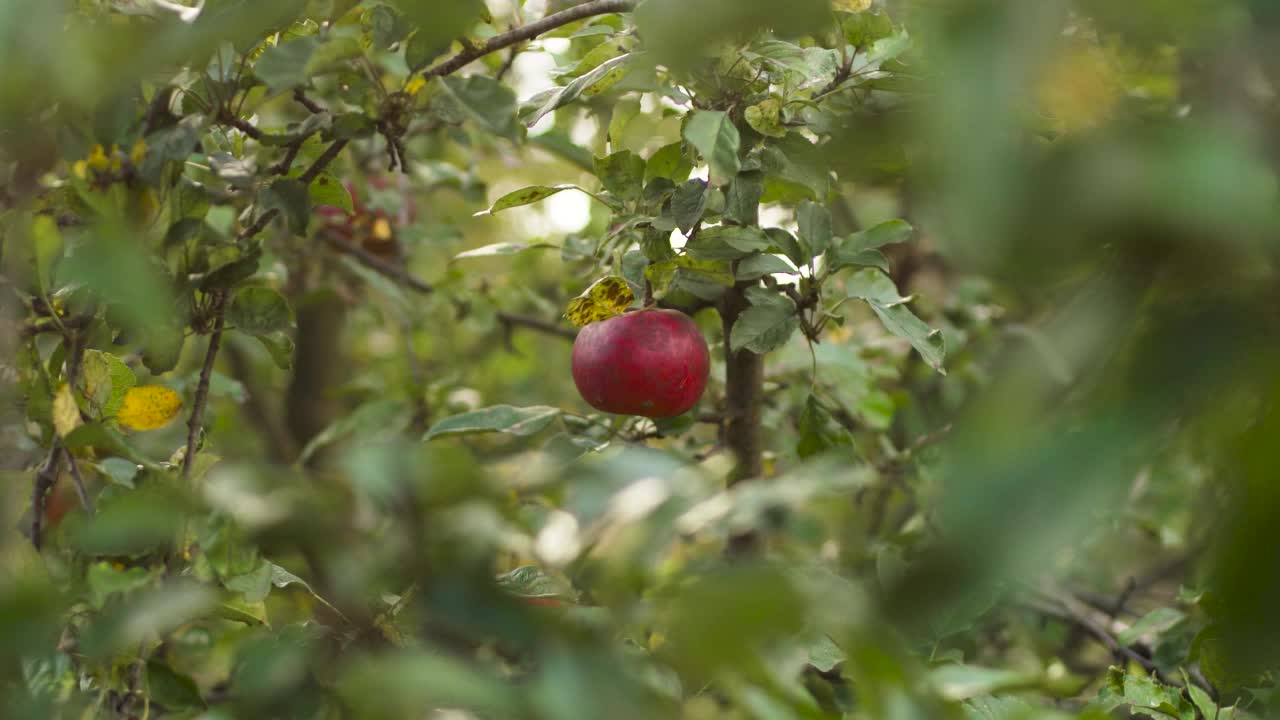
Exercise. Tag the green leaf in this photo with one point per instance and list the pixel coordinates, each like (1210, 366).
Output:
(716, 139)
(819, 432)
(253, 585)
(668, 161)
(285, 66)
(622, 174)
(104, 580)
(485, 100)
(961, 682)
(742, 202)
(385, 26)
(47, 244)
(763, 328)
(422, 48)
(328, 190)
(601, 53)
(598, 81)
(878, 291)
(815, 226)
(861, 248)
(704, 279)
(105, 380)
(279, 346)
(1156, 621)
(824, 654)
(756, 266)
(503, 248)
(259, 311)
(526, 196)
(727, 242)
(293, 200)
(170, 689)
(162, 346)
(784, 242)
(531, 581)
(765, 117)
(520, 421)
(688, 203)
(888, 232)
(333, 55)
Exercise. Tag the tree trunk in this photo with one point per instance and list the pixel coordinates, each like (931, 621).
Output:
(744, 396)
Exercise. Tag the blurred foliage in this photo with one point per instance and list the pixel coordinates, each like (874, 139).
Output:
(287, 428)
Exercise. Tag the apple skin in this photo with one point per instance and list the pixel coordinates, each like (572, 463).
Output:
(652, 363)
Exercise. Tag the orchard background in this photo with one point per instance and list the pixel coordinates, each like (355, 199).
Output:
(288, 428)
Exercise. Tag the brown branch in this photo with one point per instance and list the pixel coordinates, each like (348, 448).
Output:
(195, 422)
(311, 105)
(78, 480)
(379, 265)
(311, 173)
(244, 126)
(470, 53)
(538, 324)
(1069, 611)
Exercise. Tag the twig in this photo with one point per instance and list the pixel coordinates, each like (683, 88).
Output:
(195, 422)
(379, 265)
(45, 478)
(226, 118)
(282, 167)
(311, 105)
(85, 501)
(1066, 609)
(311, 173)
(47, 475)
(526, 32)
(538, 324)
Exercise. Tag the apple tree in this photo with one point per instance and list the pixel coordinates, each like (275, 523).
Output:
(638, 358)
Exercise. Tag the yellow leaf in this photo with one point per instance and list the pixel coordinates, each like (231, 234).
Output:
(66, 415)
(606, 298)
(415, 84)
(148, 407)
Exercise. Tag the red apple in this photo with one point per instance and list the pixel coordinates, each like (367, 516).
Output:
(652, 363)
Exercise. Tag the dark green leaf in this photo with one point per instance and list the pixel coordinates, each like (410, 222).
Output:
(880, 293)
(293, 200)
(815, 226)
(485, 100)
(763, 328)
(742, 201)
(757, 266)
(669, 161)
(622, 174)
(285, 65)
(259, 311)
(688, 203)
(171, 689)
(727, 242)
